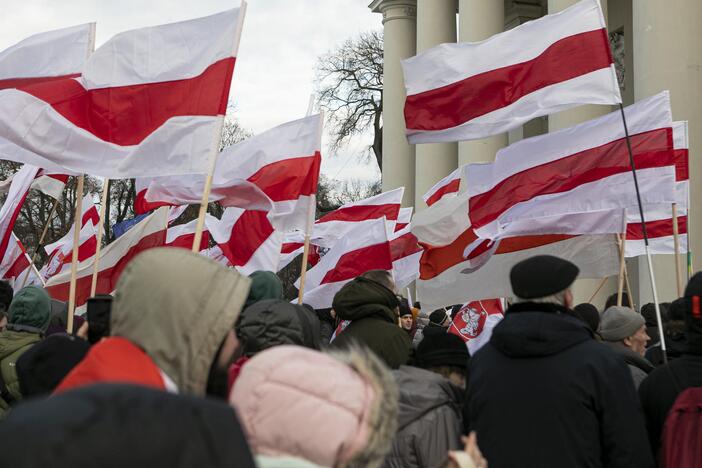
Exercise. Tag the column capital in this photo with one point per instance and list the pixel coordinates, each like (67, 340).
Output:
(395, 9)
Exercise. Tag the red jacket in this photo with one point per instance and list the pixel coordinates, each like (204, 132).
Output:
(115, 360)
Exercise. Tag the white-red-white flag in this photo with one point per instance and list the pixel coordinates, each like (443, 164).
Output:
(442, 280)
(659, 218)
(16, 265)
(448, 186)
(147, 234)
(365, 247)
(148, 102)
(247, 239)
(581, 169)
(333, 226)
(294, 246)
(19, 188)
(49, 184)
(283, 163)
(466, 91)
(183, 236)
(406, 253)
(474, 322)
(215, 253)
(60, 252)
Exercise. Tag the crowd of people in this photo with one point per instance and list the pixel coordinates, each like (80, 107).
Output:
(192, 364)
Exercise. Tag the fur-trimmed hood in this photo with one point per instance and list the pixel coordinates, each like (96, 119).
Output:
(333, 409)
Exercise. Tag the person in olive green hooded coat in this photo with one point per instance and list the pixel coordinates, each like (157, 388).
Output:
(372, 309)
(28, 318)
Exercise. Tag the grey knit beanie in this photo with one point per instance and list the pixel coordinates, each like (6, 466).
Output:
(619, 323)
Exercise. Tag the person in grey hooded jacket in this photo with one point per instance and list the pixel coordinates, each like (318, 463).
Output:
(431, 396)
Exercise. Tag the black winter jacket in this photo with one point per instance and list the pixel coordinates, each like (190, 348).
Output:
(275, 322)
(117, 426)
(543, 393)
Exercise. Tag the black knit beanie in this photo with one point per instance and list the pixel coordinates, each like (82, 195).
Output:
(441, 349)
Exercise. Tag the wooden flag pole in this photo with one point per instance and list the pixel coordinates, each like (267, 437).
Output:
(208, 186)
(602, 283)
(41, 239)
(311, 210)
(628, 287)
(676, 247)
(621, 240)
(74, 259)
(104, 200)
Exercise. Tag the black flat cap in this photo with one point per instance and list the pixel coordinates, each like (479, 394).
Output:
(541, 276)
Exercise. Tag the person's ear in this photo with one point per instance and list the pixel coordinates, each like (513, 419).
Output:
(568, 299)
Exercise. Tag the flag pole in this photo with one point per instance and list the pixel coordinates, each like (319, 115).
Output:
(74, 259)
(208, 187)
(621, 240)
(104, 200)
(41, 239)
(628, 287)
(306, 250)
(645, 235)
(602, 283)
(676, 248)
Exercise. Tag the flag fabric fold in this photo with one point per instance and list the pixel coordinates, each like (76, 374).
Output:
(405, 252)
(466, 91)
(148, 102)
(448, 186)
(247, 239)
(183, 236)
(17, 194)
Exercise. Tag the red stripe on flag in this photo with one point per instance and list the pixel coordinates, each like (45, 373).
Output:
(355, 263)
(9, 83)
(457, 103)
(682, 165)
(18, 266)
(126, 115)
(436, 260)
(249, 232)
(404, 246)
(107, 278)
(63, 178)
(142, 206)
(451, 187)
(290, 247)
(359, 213)
(186, 241)
(654, 229)
(91, 215)
(288, 179)
(4, 243)
(651, 149)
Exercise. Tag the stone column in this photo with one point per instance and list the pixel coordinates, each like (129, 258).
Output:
(436, 24)
(400, 38)
(666, 56)
(478, 20)
(583, 288)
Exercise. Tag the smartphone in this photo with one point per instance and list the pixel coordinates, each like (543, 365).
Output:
(98, 315)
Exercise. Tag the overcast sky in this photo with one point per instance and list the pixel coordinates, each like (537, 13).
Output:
(274, 72)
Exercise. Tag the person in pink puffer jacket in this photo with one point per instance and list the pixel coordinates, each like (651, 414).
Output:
(304, 408)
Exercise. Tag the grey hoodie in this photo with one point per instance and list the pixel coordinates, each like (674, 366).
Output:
(178, 307)
(429, 421)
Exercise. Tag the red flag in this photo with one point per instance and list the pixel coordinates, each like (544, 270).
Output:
(474, 322)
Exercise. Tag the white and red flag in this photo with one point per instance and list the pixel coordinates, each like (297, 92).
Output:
(147, 234)
(659, 218)
(293, 246)
(404, 218)
(474, 322)
(283, 163)
(582, 169)
(215, 253)
(183, 236)
(333, 226)
(19, 188)
(247, 239)
(448, 186)
(442, 280)
(406, 253)
(467, 91)
(61, 252)
(148, 102)
(16, 266)
(365, 247)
